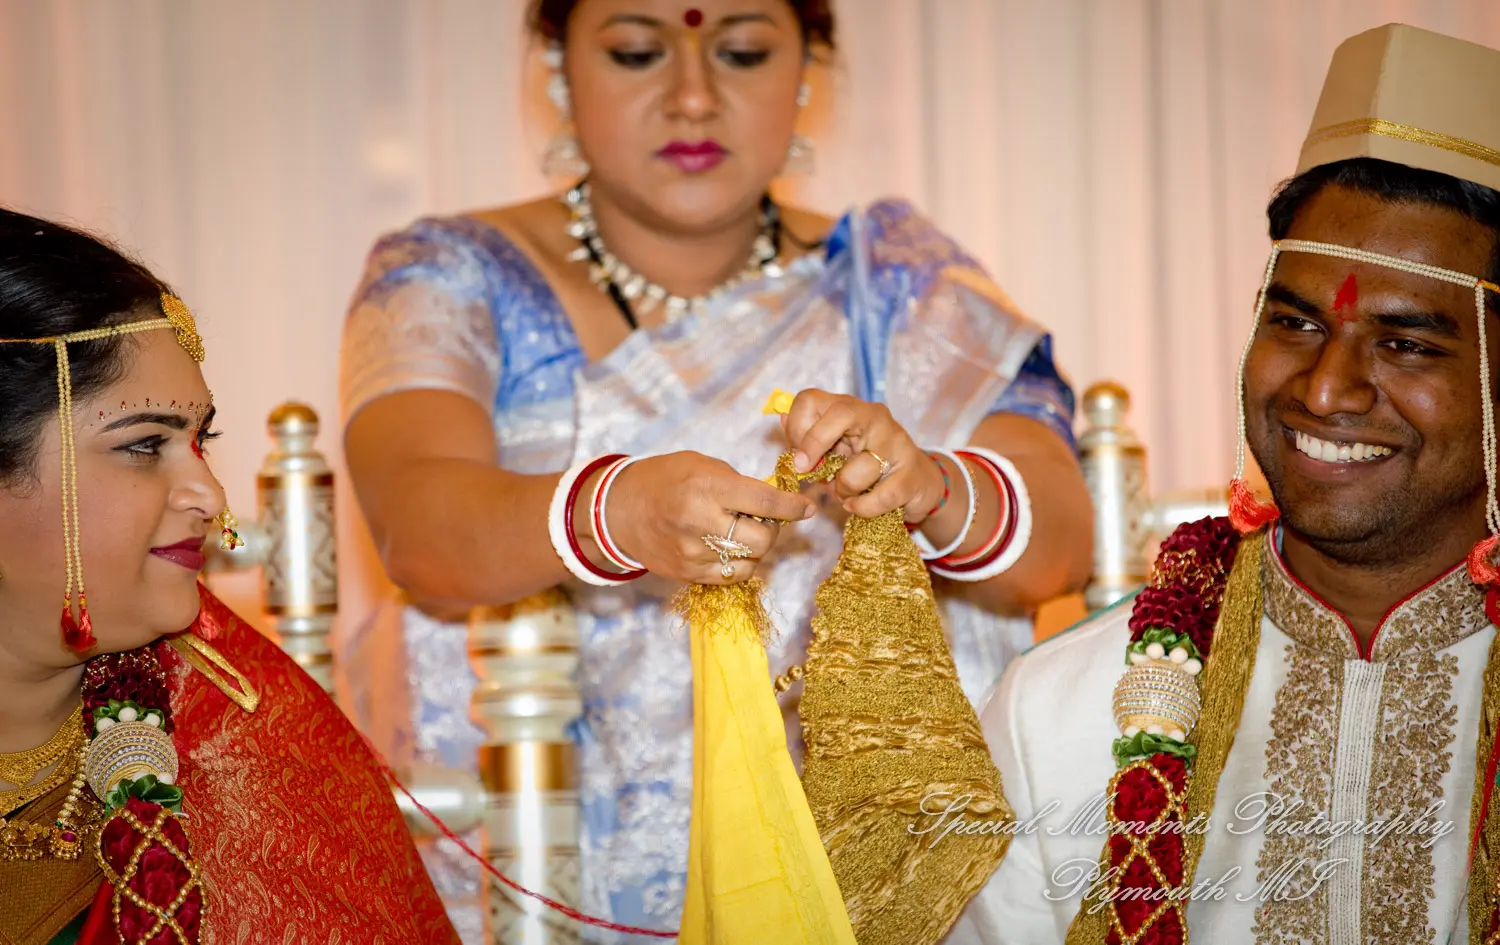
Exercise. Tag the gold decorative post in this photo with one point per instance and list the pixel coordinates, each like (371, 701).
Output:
(1127, 521)
(1114, 466)
(526, 657)
(299, 571)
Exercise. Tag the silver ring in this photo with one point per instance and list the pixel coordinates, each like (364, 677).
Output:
(885, 466)
(729, 535)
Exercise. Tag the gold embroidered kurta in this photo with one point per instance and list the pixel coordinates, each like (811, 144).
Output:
(1343, 813)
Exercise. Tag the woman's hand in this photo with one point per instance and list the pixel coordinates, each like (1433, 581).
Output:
(820, 422)
(661, 508)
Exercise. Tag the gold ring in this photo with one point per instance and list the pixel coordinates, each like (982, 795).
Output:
(726, 547)
(885, 466)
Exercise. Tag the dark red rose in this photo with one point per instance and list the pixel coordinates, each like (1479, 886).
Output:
(1166, 850)
(118, 843)
(1139, 800)
(191, 912)
(1167, 930)
(1183, 604)
(1174, 768)
(173, 831)
(157, 877)
(1133, 910)
(138, 676)
(1211, 539)
(135, 922)
(1119, 848)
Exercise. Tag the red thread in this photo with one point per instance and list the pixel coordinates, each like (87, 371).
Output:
(1247, 512)
(1482, 570)
(568, 911)
(1346, 299)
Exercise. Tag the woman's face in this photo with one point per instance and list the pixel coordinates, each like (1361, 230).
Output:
(146, 499)
(684, 125)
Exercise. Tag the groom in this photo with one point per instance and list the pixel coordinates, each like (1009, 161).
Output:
(1289, 735)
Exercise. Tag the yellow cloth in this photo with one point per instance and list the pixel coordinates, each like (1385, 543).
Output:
(757, 871)
(756, 868)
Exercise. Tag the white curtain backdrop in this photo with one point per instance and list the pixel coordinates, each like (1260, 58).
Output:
(1109, 160)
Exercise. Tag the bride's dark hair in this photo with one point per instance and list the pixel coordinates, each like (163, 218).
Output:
(55, 280)
(549, 20)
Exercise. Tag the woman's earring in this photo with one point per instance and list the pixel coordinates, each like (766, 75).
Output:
(229, 536)
(801, 151)
(563, 158)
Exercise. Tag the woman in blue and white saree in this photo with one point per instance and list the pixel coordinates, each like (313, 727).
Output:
(486, 354)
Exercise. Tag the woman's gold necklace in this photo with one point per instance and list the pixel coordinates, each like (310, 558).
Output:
(62, 838)
(21, 767)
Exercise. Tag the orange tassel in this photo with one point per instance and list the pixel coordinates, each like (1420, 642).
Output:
(1482, 570)
(1247, 513)
(78, 635)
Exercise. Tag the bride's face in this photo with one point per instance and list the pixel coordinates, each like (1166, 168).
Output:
(146, 501)
(684, 108)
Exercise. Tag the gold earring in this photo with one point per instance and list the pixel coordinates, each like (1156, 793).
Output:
(229, 537)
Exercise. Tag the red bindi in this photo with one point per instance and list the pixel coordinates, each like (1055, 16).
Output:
(693, 18)
(1348, 297)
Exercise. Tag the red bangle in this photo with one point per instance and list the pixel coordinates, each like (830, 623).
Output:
(588, 472)
(1005, 526)
(599, 513)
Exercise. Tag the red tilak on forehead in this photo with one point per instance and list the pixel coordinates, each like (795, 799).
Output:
(1348, 297)
(693, 18)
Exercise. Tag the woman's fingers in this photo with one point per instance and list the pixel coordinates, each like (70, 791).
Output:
(859, 475)
(806, 408)
(737, 563)
(763, 500)
(839, 424)
(893, 493)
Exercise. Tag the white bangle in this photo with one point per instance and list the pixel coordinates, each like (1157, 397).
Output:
(557, 529)
(1020, 536)
(612, 551)
(929, 553)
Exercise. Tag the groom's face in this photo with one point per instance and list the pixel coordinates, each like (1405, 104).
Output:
(1362, 390)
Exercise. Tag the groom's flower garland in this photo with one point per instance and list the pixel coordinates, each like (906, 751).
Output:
(1156, 706)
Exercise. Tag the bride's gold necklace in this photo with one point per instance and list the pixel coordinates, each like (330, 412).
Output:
(62, 838)
(20, 767)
